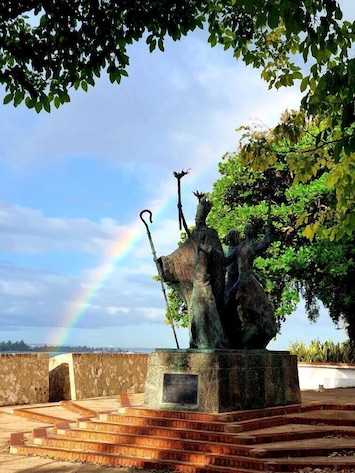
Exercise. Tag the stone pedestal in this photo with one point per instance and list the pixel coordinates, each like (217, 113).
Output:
(220, 380)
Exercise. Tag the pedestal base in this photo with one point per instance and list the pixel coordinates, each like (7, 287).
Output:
(220, 380)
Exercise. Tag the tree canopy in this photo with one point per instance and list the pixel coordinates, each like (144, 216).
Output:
(317, 269)
(49, 47)
(309, 148)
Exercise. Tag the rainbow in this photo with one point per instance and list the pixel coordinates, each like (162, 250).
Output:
(116, 252)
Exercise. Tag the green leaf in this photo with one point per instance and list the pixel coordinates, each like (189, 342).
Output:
(7, 99)
(297, 75)
(43, 21)
(30, 103)
(64, 97)
(340, 233)
(304, 84)
(314, 50)
(47, 106)
(332, 46)
(161, 44)
(38, 106)
(152, 45)
(338, 13)
(19, 96)
(212, 40)
(337, 149)
(309, 232)
(57, 102)
(273, 17)
(90, 80)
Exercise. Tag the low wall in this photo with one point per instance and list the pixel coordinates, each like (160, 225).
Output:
(78, 376)
(59, 377)
(35, 378)
(24, 378)
(328, 375)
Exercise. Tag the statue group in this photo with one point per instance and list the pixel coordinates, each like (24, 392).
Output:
(228, 307)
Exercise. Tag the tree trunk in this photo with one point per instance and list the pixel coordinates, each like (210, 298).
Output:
(350, 320)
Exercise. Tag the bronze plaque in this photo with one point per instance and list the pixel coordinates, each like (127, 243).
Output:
(180, 388)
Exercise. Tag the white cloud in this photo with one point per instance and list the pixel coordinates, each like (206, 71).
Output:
(24, 230)
(26, 289)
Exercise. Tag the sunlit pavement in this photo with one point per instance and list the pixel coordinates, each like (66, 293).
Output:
(12, 424)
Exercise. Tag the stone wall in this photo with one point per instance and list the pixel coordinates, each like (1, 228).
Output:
(36, 378)
(78, 376)
(24, 378)
(59, 377)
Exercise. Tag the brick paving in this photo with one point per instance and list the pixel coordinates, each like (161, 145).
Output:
(91, 435)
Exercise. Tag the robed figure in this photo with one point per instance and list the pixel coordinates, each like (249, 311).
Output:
(196, 270)
(227, 305)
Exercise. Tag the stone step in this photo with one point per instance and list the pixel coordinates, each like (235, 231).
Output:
(160, 464)
(187, 444)
(299, 432)
(302, 448)
(175, 422)
(343, 464)
(107, 459)
(168, 414)
(333, 417)
(225, 444)
(193, 443)
(183, 462)
(160, 431)
(201, 463)
(219, 456)
(306, 448)
(74, 407)
(334, 407)
(38, 416)
(144, 451)
(234, 416)
(238, 416)
(89, 430)
(256, 424)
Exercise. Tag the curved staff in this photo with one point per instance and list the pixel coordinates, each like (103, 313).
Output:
(159, 271)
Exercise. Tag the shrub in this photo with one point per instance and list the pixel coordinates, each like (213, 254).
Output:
(327, 352)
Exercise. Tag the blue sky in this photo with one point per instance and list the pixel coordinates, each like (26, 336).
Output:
(75, 262)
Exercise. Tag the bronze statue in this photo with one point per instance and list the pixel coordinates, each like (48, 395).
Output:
(247, 299)
(196, 270)
(227, 305)
(231, 312)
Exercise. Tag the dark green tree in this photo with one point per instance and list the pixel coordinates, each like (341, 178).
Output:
(316, 268)
(14, 346)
